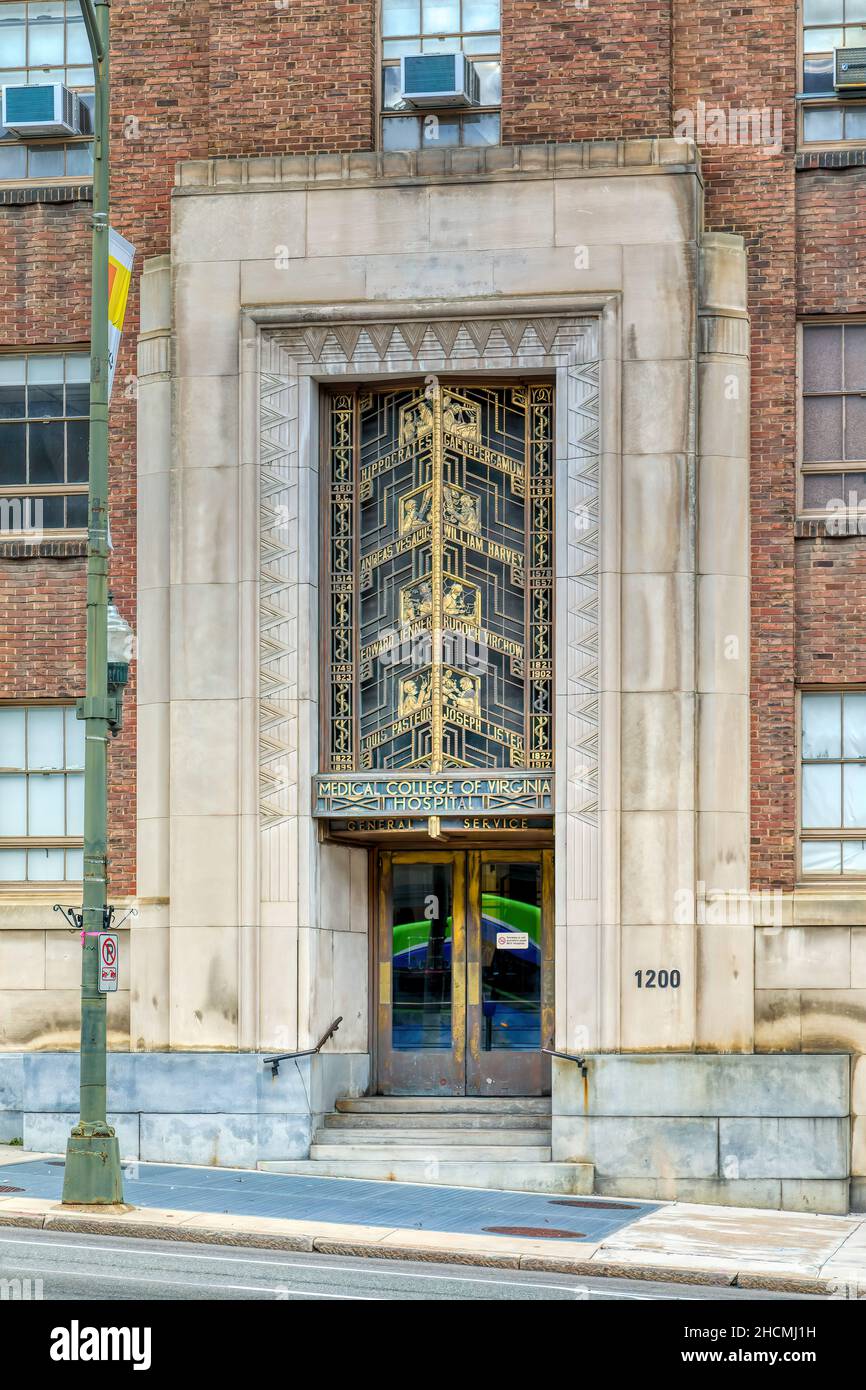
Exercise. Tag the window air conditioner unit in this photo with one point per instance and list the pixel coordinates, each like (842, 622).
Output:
(849, 70)
(439, 79)
(47, 110)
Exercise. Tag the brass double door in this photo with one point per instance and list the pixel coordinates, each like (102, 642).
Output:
(465, 978)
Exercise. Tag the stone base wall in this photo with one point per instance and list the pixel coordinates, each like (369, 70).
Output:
(211, 1108)
(737, 1130)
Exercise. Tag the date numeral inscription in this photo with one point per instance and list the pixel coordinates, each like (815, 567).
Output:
(657, 979)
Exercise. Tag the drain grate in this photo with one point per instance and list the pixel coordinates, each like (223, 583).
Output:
(590, 1204)
(535, 1232)
(5, 1188)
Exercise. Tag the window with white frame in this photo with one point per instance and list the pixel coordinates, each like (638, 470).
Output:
(41, 794)
(44, 430)
(827, 118)
(833, 784)
(834, 417)
(44, 41)
(471, 27)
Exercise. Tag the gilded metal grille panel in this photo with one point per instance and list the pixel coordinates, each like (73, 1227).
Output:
(343, 597)
(441, 579)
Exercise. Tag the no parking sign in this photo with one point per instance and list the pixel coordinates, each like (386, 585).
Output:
(108, 951)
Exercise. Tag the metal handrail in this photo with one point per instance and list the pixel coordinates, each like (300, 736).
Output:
(274, 1062)
(568, 1057)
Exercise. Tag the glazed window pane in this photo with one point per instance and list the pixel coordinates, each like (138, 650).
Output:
(822, 429)
(822, 857)
(822, 726)
(45, 737)
(822, 795)
(822, 358)
(401, 17)
(854, 798)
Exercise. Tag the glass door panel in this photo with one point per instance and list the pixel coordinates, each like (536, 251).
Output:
(511, 956)
(422, 974)
(421, 943)
(509, 972)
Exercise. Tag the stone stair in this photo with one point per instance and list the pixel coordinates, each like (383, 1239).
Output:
(462, 1141)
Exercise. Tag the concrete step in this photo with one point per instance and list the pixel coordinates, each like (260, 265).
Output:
(433, 1138)
(570, 1179)
(444, 1105)
(392, 1153)
(427, 1120)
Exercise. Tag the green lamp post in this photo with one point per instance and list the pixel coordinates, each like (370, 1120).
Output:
(93, 1173)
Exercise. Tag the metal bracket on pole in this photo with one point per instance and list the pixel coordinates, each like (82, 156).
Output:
(109, 923)
(108, 709)
(73, 915)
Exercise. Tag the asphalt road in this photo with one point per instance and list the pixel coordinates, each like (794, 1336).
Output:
(83, 1268)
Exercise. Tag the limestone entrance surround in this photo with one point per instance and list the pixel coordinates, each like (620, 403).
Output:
(584, 262)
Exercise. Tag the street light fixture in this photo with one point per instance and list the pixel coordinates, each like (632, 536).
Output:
(121, 644)
(92, 1175)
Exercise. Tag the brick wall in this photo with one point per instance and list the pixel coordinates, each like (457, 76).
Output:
(199, 77)
(42, 627)
(585, 72)
(735, 58)
(831, 602)
(159, 110)
(42, 301)
(292, 76)
(625, 69)
(831, 279)
(831, 222)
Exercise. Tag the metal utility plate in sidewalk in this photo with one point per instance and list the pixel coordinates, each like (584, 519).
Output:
(458, 1210)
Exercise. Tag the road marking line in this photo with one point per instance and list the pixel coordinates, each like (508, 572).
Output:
(330, 1269)
(289, 1264)
(243, 1288)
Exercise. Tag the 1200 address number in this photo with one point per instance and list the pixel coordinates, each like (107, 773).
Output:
(657, 979)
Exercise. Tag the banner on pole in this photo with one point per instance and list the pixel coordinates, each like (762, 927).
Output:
(121, 254)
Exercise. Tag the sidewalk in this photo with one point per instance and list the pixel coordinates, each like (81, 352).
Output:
(773, 1250)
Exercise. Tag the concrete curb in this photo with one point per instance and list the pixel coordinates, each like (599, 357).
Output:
(443, 1249)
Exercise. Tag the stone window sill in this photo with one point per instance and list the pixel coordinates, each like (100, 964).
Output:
(19, 194)
(61, 547)
(833, 529)
(832, 157)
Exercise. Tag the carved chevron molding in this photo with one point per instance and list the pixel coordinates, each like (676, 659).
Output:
(582, 615)
(555, 339)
